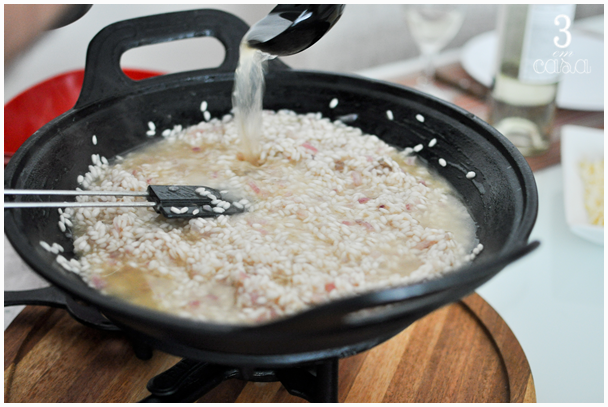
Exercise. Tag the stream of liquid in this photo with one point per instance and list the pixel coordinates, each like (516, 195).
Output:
(247, 100)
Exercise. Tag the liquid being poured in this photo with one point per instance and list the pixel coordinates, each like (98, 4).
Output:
(247, 100)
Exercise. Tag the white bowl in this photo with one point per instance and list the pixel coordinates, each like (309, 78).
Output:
(577, 144)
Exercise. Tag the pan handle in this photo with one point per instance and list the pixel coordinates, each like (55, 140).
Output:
(48, 296)
(53, 297)
(394, 303)
(104, 77)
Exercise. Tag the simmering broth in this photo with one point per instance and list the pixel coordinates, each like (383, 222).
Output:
(334, 212)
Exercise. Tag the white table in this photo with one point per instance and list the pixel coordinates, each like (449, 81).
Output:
(553, 301)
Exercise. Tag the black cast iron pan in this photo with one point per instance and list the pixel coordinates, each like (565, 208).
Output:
(502, 198)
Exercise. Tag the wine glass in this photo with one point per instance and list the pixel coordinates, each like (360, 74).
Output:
(432, 26)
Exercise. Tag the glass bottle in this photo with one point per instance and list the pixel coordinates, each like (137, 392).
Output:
(522, 105)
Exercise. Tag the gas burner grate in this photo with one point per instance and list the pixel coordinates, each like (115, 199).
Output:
(189, 380)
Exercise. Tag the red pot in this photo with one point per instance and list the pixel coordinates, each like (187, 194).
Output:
(38, 105)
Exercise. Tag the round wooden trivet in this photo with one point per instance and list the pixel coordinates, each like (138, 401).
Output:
(463, 352)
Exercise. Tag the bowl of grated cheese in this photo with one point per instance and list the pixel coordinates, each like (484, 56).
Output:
(582, 152)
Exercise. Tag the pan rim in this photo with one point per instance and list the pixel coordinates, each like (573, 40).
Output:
(113, 305)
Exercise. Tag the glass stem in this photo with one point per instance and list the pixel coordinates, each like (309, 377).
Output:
(428, 71)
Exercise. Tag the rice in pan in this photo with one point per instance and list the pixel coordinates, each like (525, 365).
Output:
(333, 212)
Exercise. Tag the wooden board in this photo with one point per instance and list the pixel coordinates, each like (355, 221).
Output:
(463, 352)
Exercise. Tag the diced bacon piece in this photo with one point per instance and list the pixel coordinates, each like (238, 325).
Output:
(366, 225)
(194, 304)
(425, 244)
(253, 186)
(98, 282)
(310, 147)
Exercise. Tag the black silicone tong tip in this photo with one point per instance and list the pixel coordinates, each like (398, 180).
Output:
(185, 201)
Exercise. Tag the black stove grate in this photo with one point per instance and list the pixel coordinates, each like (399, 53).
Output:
(189, 380)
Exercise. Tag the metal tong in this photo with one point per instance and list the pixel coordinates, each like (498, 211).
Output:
(171, 201)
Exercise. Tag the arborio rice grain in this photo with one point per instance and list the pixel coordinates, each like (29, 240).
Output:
(334, 212)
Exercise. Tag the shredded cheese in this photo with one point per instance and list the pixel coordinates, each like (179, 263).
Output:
(592, 174)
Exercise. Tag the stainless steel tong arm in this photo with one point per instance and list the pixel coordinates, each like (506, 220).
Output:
(75, 204)
(171, 201)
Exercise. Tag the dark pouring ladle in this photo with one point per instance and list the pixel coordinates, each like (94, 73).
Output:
(291, 28)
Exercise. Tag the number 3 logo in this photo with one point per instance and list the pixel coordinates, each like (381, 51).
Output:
(563, 30)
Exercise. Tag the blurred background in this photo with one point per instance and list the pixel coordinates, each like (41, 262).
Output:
(367, 36)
